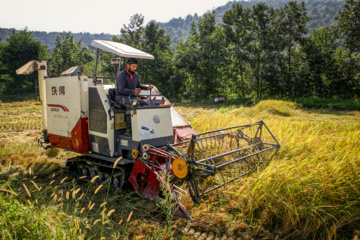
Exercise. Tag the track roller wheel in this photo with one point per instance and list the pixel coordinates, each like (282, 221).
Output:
(118, 179)
(85, 171)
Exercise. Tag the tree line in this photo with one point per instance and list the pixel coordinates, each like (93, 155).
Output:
(255, 52)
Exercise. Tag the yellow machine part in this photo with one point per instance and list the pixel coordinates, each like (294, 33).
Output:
(180, 168)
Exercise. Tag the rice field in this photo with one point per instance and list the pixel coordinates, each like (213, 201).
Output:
(310, 190)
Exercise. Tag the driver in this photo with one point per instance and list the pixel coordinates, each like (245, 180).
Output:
(127, 87)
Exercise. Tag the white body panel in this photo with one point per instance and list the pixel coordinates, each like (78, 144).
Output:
(145, 126)
(66, 103)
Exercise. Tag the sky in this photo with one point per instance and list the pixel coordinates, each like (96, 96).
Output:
(94, 16)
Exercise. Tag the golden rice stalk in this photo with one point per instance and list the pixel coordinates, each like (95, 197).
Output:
(116, 162)
(102, 204)
(73, 194)
(81, 196)
(28, 201)
(96, 221)
(102, 238)
(34, 177)
(36, 186)
(9, 191)
(36, 201)
(97, 189)
(55, 197)
(106, 222)
(27, 230)
(94, 178)
(82, 177)
(67, 195)
(77, 204)
(27, 190)
(61, 205)
(129, 217)
(40, 188)
(52, 182)
(110, 212)
(120, 222)
(102, 212)
(59, 199)
(51, 220)
(89, 204)
(52, 194)
(63, 180)
(91, 207)
(53, 175)
(77, 190)
(82, 210)
(29, 170)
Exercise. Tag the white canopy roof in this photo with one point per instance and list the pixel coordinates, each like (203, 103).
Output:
(120, 49)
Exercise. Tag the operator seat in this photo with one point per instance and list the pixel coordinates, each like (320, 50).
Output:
(111, 97)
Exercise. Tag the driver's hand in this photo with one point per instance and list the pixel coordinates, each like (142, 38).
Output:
(150, 86)
(137, 91)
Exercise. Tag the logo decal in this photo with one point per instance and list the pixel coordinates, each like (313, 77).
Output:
(59, 106)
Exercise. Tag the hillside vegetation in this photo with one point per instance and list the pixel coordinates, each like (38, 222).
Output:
(322, 13)
(311, 189)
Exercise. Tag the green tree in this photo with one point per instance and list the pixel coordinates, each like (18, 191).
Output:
(186, 62)
(160, 70)
(320, 72)
(238, 34)
(261, 46)
(20, 48)
(349, 26)
(68, 53)
(132, 33)
(291, 26)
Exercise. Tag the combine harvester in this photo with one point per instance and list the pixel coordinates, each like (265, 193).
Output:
(79, 114)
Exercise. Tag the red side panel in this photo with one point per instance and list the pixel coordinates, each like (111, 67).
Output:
(80, 136)
(79, 141)
(60, 141)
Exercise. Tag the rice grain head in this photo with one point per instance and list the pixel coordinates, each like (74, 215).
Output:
(110, 212)
(116, 162)
(35, 185)
(81, 196)
(9, 191)
(129, 217)
(94, 178)
(96, 221)
(27, 190)
(63, 180)
(91, 207)
(97, 189)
